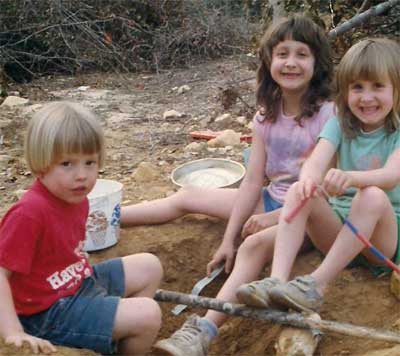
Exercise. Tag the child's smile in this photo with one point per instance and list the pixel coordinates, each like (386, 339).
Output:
(292, 66)
(291, 75)
(371, 102)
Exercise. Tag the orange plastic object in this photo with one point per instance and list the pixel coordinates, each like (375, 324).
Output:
(208, 135)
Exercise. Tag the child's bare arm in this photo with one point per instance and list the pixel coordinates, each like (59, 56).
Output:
(386, 178)
(10, 327)
(9, 323)
(246, 201)
(315, 167)
(319, 161)
(258, 222)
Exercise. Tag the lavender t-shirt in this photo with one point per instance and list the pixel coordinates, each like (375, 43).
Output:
(287, 145)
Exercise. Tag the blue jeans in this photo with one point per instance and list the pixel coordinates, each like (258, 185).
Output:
(85, 319)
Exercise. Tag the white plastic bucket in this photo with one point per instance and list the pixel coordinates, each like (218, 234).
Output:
(102, 226)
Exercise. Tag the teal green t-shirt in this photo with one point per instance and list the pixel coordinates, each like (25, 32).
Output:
(366, 151)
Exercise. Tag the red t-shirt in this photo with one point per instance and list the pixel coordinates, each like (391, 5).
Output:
(41, 241)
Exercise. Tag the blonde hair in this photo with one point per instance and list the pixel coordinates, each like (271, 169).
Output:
(62, 128)
(374, 60)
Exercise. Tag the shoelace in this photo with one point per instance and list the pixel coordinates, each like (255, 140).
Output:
(302, 284)
(187, 332)
(268, 283)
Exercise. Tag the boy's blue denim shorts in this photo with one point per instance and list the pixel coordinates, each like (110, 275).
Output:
(86, 319)
(269, 203)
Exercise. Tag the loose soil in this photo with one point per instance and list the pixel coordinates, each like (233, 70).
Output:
(131, 108)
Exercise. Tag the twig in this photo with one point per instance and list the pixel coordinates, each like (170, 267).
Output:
(244, 102)
(364, 6)
(361, 18)
(293, 319)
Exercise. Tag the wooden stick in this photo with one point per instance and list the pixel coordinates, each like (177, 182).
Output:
(362, 17)
(294, 319)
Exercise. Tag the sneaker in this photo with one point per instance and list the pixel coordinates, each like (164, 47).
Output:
(189, 340)
(300, 294)
(256, 294)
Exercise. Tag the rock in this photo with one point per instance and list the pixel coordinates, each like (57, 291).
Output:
(6, 158)
(12, 101)
(171, 114)
(145, 172)
(194, 147)
(125, 108)
(241, 120)
(226, 138)
(395, 285)
(223, 119)
(183, 89)
(32, 108)
(83, 88)
(295, 341)
(204, 122)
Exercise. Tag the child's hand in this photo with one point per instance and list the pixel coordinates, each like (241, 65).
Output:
(37, 344)
(305, 188)
(256, 223)
(225, 253)
(336, 182)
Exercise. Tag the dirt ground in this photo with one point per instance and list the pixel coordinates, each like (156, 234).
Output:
(131, 108)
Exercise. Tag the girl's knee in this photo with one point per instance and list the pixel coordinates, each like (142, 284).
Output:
(256, 242)
(182, 199)
(372, 198)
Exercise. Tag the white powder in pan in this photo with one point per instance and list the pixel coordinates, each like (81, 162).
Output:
(209, 178)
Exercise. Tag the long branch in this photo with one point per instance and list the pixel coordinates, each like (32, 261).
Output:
(361, 18)
(294, 319)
